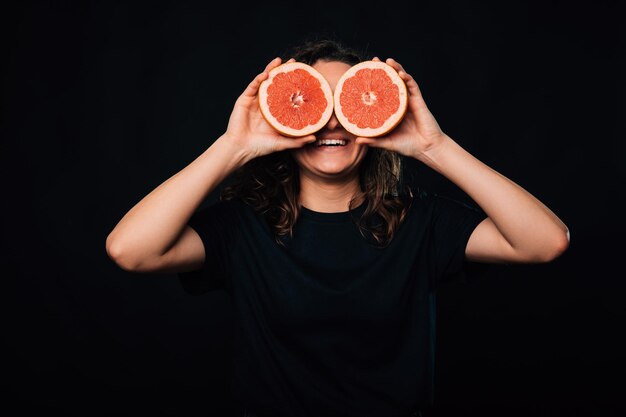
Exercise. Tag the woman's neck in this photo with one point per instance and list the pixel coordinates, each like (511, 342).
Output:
(329, 196)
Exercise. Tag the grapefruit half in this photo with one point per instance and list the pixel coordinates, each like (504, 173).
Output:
(370, 99)
(296, 99)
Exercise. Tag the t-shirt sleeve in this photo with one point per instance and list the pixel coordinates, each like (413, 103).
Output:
(216, 224)
(452, 224)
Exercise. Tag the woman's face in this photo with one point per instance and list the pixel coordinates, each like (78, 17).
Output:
(330, 161)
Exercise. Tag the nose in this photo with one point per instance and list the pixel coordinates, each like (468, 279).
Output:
(332, 123)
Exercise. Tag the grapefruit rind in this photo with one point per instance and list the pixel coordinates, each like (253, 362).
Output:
(273, 121)
(392, 121)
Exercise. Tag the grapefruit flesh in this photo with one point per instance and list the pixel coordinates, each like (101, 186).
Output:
(296, 99)
(370, 99)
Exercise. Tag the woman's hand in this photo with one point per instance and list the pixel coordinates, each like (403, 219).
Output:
(248, 129)
(417, 132)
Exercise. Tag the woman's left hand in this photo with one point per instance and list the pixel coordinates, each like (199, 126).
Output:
(417, 132)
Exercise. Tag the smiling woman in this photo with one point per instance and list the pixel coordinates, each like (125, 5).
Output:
(280, 184)
(332, 264)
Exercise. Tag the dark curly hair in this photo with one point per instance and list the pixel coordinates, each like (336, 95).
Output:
(270, 184)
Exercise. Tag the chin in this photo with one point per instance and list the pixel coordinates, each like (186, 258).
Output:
(329, 170)
(328, 163)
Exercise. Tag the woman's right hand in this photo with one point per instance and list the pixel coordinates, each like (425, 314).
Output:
(249, 131)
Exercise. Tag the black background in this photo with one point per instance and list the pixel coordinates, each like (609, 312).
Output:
(103, 101)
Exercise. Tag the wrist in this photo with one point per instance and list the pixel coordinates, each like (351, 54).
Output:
(232, 150)
(433, 153)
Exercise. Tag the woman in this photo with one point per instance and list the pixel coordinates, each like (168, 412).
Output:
(331, 267)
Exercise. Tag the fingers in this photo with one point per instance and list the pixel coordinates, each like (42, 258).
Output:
(253, 87)
(376, 59)
(410, 82)
(273, 64)
(294, 143)
(373, 142)
(395, 64)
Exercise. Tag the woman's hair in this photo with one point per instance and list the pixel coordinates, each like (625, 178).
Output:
(270, 184)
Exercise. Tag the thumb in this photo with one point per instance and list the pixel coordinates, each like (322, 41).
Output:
(294, 143)
(373, 142)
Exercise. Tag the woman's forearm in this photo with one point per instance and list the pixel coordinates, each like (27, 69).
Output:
(151, 227)
(528, 225)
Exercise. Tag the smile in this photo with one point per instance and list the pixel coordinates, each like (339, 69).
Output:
(338, 142)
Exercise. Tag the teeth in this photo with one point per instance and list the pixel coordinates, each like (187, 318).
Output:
(321, 142)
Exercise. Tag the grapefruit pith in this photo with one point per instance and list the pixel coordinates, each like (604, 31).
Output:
(296, 99)
(370, 99)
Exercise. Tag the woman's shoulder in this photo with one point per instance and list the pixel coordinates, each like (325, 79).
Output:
(412, 193)
(445, 203)
(425, 195)
(425, 199)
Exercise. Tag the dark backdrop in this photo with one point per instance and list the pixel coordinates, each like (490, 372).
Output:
(103, 101)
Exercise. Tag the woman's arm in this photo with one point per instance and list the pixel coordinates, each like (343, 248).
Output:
(519, 228)
(154, 224)
(151, 237)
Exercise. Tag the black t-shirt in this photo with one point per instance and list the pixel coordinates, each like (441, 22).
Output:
(332, 325)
